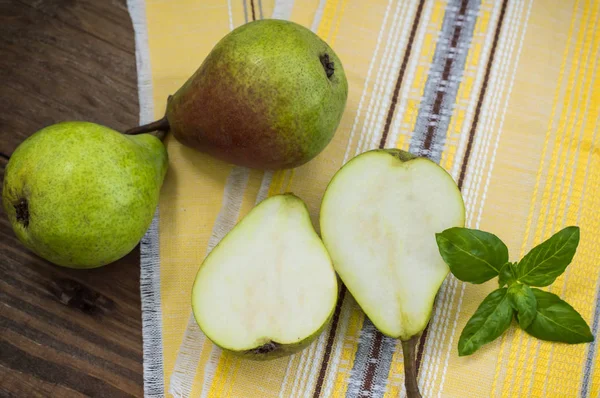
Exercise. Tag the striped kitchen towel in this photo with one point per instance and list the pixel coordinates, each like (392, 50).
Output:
(503, 94)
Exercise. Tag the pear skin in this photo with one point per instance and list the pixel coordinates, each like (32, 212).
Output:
(82, 195)
(270, 95)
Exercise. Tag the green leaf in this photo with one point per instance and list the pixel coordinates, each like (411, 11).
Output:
(523, 301)
(473, 256)
(556, 320)
(490, 320)
(508, 274)
(545, 262)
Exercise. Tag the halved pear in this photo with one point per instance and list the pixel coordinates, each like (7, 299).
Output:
(268, 288)
(378, 221)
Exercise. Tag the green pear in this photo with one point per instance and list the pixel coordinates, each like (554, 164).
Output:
(268, 288)
(270, 95)
(379, 217)
(82, 195)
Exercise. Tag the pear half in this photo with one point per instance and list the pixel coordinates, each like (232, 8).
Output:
(378, 220)
(268, 288)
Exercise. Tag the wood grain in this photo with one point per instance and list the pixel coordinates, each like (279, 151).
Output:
(66, 333)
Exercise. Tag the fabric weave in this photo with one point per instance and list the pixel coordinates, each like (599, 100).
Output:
(503, 94)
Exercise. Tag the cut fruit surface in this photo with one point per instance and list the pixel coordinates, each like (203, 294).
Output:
(268, 288)
(378, 221)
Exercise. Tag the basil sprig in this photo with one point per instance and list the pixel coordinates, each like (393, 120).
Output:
(477, 256)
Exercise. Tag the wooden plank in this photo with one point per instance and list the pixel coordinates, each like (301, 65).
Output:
(63, 332)
(92, 17)
(79, 75)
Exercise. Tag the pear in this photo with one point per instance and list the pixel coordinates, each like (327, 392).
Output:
(269, 95)
(82, 195)
(379, 216)
(268, 288)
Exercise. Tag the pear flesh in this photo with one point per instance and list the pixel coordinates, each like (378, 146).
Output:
(378, 221)
(268, 288)
(82, 195)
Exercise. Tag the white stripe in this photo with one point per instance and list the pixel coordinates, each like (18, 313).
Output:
(285, 378)
(307, 361)
(385, 80)
(283, 9)
(230, 14)
(366, 85)
(149, 255)
(491, 105)
(318, 15)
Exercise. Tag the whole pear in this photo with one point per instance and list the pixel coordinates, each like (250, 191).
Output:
(82, 195)
(270, 95)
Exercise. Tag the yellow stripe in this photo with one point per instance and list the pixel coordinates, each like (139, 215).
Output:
(507, 343)
(520, 357)
(576, 282)
(556, 211)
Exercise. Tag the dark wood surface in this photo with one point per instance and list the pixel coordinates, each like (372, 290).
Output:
(66, 333)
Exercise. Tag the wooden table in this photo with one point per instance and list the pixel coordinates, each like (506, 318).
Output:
(66, 333)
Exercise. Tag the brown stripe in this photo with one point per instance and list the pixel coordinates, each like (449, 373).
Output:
(252, 7)
(372, 361)
(390, 115)
(486, 79)
(439, 97)
(471, 137)
(329, 346)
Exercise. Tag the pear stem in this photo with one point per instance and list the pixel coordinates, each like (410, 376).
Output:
(161, 125)
(409, 351)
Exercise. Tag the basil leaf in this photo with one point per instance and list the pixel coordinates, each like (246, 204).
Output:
(490, 320)
(473, 256)
(508, 274)
(545, 262)
(556, 320)
(523, 301)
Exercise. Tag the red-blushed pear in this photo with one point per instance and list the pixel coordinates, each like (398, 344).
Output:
(379, 217)
(269, 95)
